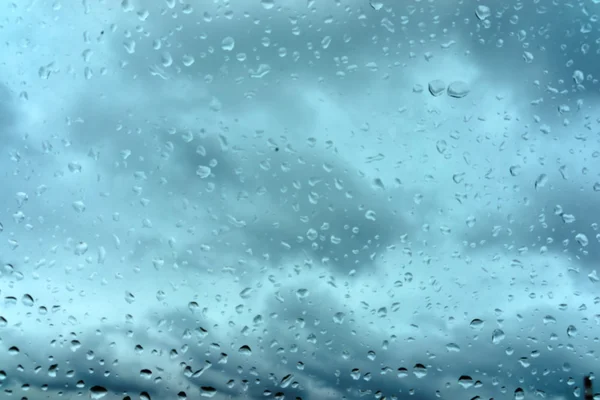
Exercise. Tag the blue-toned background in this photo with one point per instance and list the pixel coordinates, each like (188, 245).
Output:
(324, 199)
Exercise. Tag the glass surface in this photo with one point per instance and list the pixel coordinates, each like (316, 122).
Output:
(282, 199)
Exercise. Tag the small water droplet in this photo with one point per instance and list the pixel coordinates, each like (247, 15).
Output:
(420, 370)
(338, 317)
(228, 43)
(437, 87)
(27, 300)
(541, 181)
(245, 350)
(571, 331)
(267, 4)
(146, 373)
(498, 336)
(519, 394)
(376, 4)
(465, 381)
(203, 171)
(98, 392)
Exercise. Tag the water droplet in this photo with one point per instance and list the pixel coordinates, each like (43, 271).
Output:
(338, 317)
(370, 215)
(376, 4)
(482, 12)
(286, 381)
(465, 381)
(458, 89)
(453, 347)
(245, 294)
(27, 300)
(245, 350)
(582, 239)
(188, 60)
(420, 370)
(75, 345)
(437, 87)
(146, 373)
(498, 336)
(519, 394)
(312, 234)
(302, 293)
(371, 355)
(267, 4)
(541, 181)
(203, 171)
(228, 43)
(571, 331)
(515, 170)
(81, 248)
(402, 372)
(471, 220)
(13, 350)
(98, 392)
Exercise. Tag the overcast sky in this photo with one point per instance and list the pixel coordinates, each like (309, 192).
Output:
(299, 199)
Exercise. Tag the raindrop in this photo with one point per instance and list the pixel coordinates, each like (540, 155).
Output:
(146, 373)
(98, 392)
(228, 43)
(302, 293)
(541, 181)
(458, 89)
(482, 12)
(437, 87)
(571, 331)
(452, 347)
(338, 317)
(203, 171)
(129, 297)
(81, 248)
(465, 381)
(245, 350)
(420, 371)
(582, 239)
(498, 336)
(519, 394)
(267, 4)
(79, 206)
(27, 300)
(376, 4)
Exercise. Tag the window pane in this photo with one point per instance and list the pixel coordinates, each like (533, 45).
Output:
(284, 199)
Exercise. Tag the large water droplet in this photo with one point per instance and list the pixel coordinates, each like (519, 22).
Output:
(482, 12)
(458, 89)
(98, 392)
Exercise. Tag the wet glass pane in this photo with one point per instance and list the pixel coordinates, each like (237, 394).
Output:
(292, 199)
